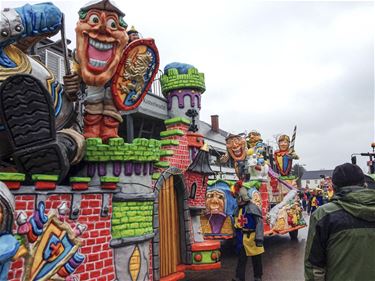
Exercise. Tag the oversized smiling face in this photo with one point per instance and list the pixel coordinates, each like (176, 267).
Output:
(100, 43)
(236, 147)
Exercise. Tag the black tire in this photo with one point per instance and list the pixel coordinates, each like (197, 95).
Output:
(28, 115)
(293, 234)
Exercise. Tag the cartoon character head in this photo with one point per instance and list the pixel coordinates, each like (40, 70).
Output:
(101, 39)
(283, 142)
(236, 147)
(215, 201)
(253, 138)
(219, 199)
(7, 207)
(255, 197)
(133, 34)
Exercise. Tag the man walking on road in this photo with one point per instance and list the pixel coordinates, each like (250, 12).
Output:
(340, 244)
(249, 236)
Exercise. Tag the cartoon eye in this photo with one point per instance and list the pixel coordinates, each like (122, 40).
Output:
(18, 28)
(4, 33)
(111, 23)
(94, 19)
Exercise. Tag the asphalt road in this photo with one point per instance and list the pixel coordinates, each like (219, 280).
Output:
(282, 261)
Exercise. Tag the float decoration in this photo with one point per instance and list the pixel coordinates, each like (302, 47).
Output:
(217, 219)
(285, 155)
(135, 74)
(53, 245)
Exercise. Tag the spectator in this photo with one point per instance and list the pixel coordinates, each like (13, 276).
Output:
(340, 243)
(319, 196)
(314, 203)
(304, 201)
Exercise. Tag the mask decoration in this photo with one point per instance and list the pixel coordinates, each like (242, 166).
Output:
(101, 39)
(236, 147)
(284, 156)
(220, 206)
(283, 143)
(215, 201)
(253, 138)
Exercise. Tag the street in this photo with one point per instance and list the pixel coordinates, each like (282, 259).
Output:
(282, 261)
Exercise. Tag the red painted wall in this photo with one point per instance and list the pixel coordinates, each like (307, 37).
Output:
(200, 195)
(98, 264)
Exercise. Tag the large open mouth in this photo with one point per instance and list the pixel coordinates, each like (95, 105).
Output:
(100, 54)
(237, 152)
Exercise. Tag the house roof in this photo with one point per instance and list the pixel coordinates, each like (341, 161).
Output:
(213, 139)
(314, 175)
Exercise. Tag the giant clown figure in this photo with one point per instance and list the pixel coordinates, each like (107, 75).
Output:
(101, 39)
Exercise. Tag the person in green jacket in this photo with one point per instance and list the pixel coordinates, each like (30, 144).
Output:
(340, 244)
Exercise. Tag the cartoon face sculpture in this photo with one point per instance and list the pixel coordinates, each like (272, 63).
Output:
(215, 202)
(254, 137)
(101, 39)
(236, 146)
(257, 199)
(283, 142)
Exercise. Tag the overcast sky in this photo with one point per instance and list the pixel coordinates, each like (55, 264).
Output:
(271, 65)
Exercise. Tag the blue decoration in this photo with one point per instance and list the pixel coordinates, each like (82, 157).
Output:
(38, 19)
(8, 248)
(230, 201)
(181, 67)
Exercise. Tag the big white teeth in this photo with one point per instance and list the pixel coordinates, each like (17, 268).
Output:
(97, 63)
(100, 45)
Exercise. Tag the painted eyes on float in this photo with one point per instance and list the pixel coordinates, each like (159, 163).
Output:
(93, 19)
(111, 23)
(4, 33)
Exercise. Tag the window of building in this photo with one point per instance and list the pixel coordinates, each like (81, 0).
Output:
(55, 63)
(193, 190)
(141, 126)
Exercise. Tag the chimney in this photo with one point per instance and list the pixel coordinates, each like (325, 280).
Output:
(215, 123)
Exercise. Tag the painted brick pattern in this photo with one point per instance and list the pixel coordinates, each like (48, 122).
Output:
(141, 150)
(192, 177)
(174, 80)
(180, 158)
(98, 265)
(132, 219)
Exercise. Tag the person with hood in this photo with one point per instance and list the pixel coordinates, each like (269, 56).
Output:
(340, 243)
(249, 232)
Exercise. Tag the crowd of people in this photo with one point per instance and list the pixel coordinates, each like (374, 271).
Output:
(311, 199)
(340, 243)
(342, 219)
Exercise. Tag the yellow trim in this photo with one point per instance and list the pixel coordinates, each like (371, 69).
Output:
(19, 58)
(251, 248)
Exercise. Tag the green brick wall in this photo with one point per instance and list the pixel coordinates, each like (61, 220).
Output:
(172, 80)
(132, 219)
(141, 150)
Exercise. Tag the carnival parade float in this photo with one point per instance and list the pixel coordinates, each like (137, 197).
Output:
(266, 178)
(77, 202)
